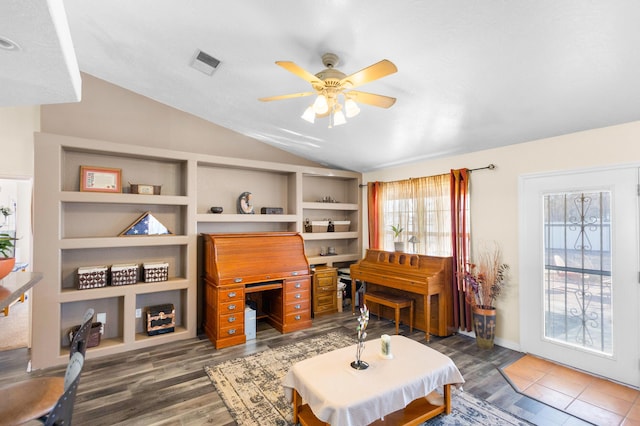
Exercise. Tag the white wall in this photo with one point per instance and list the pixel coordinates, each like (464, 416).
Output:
(16, 140)
(494, 193)
(17, 125)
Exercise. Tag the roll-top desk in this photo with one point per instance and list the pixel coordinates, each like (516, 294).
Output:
(268, 268)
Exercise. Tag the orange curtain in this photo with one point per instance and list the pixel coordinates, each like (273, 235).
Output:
(460, 246)
(373, 206)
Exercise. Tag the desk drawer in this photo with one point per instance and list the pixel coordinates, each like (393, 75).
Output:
(234, 307)
(297, 317)
(297, 307)
(230, 320)
(297, 285)
(231, 330)
(325, 289)
(231, 294)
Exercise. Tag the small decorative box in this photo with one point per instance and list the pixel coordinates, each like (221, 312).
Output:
(139, 188)
(124, 274)
(92, 277)
(154, 272)
(161, 319)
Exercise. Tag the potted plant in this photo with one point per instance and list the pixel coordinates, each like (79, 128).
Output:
(7, 247)
(485, 281)
(397, 230)
(7, 259)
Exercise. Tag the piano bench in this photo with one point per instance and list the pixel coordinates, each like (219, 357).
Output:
(392, 301)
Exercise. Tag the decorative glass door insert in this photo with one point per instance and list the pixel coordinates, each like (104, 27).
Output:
(577, 275)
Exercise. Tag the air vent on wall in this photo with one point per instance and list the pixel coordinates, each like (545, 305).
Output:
(204, 62)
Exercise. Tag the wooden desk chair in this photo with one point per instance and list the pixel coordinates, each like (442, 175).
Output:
(37, 398)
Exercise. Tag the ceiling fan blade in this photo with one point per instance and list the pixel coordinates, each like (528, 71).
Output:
(293, 95)
(299, 71)
(369, 74)
(371, 99)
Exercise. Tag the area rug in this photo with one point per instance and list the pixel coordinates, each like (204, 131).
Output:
(252, 391)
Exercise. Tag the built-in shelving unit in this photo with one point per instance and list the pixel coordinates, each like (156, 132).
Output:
(73, 229)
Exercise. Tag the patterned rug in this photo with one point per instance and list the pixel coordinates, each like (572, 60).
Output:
(251, 387)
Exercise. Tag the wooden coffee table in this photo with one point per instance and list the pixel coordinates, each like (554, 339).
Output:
(326, 390)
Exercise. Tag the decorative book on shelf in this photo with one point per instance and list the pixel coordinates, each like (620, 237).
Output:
(146, 224)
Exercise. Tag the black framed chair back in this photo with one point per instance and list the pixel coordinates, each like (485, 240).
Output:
(79, 340)
(63, 410)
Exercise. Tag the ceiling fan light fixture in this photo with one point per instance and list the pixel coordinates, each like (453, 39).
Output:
(309, 115)
(338, 118)
(351, 108)
(320, 106)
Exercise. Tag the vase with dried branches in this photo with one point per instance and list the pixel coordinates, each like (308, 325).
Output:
(361, 329)
(485, 281)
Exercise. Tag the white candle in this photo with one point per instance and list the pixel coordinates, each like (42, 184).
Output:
(385, 345)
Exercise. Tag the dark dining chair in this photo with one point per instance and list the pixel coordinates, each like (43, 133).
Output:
(63, 410)
(80, 338)
(37, 398)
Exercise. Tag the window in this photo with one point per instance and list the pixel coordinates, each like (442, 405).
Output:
(422, 207)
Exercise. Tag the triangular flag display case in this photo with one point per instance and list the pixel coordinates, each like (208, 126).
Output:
(146, 224)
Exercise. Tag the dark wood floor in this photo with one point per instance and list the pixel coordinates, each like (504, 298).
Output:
(166, 385)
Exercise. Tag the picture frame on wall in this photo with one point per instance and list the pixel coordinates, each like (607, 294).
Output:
(100, 179)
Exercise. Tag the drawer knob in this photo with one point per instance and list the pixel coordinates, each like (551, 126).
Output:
(298, 285)
(232, 319)
(298, 296)
(232, 331)
(231, 307)
(294, 273)
(298, 306)
(232, 294)
(297, 317)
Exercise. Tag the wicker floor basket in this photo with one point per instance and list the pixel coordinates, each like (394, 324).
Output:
(94, 335)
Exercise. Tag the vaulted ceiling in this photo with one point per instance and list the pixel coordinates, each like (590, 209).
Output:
(472, 74)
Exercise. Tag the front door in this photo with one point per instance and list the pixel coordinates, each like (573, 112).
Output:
(579, 270)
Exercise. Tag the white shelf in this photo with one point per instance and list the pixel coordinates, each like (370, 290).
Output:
(247, 218)
(310, 236)
(109, 291)
(330, 206)
(97, 197)
(131, 241)
(347, 257)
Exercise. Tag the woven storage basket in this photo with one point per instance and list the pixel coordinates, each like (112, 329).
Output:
(155, 272)
(124, 274)
(341, 225)
(319, 225)
(92, 277)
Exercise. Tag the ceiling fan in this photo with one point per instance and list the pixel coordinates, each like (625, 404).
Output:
(330, 84)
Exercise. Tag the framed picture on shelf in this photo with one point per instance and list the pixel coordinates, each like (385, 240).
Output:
(100, 179)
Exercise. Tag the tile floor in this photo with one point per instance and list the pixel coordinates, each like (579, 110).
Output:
(590, 398)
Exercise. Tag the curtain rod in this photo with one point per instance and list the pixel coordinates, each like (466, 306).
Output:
(490, 167)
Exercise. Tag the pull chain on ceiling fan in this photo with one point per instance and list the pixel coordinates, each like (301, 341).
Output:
(331, 85)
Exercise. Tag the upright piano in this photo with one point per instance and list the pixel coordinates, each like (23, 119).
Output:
(425, 279)
(268, 269)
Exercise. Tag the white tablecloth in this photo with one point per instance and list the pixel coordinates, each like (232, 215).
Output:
(342, 396)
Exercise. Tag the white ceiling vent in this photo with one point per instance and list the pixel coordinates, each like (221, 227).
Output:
(204, 62)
